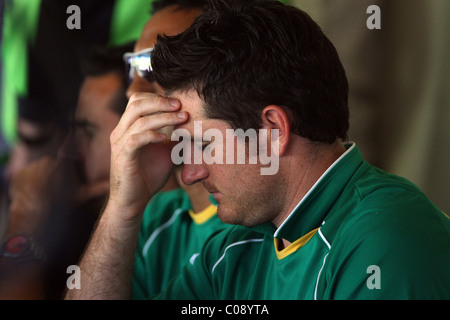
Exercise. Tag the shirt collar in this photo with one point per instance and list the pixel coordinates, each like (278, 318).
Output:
(312, 209)
(204, 215)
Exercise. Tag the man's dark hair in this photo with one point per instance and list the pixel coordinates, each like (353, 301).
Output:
(101, 60)
(181, 4)
(242, 56)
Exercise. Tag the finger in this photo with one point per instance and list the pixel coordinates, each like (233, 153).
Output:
(157, 122)
(142, 104)
(131, 143)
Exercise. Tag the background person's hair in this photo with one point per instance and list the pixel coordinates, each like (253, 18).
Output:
(241, 56)
(181, 4)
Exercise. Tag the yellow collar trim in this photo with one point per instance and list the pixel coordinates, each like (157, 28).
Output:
(203, 215)
(294, 246)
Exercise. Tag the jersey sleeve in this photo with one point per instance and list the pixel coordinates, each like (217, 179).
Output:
(192, 284)
(139, 278)
(157, 212)
(196, 282)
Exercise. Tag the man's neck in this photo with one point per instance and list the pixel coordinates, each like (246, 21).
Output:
(304, 174)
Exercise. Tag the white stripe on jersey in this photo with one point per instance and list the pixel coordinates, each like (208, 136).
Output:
(158, 230)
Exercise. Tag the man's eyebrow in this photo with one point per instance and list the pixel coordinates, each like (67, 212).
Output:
(201, 140)
(198, 139)
(83, 123)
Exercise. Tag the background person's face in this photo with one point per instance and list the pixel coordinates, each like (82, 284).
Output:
(94, 123)
(35, 141)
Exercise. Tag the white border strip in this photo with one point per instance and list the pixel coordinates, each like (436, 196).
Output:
(323, 264)
(318, 276)
(324, 239)
(158, 230)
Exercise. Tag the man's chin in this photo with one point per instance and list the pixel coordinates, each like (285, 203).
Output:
(225, 215)
(231, 216)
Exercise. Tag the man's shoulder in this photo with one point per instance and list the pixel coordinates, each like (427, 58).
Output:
(404, 225)
(393, 210)
(393, 226)
(377, 185)
(392, 245)
(376, 202)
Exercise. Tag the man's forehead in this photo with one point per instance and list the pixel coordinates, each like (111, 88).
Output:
(168, 21)
(198, 122)
(192, 104)
(146, 40)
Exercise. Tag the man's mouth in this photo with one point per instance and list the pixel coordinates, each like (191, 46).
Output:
(215, 193)
(208, 187)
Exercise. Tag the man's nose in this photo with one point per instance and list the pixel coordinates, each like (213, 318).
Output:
(193, 173)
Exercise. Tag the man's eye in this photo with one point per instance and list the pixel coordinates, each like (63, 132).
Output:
(201, 144)
(86, 132)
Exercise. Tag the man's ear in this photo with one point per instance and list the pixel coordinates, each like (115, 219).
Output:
(275, 117)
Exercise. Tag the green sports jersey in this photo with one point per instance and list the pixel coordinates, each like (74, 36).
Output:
(359, 233)
(171, 236)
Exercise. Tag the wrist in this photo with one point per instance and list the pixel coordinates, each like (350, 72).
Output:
(118, 217)
(127, 215)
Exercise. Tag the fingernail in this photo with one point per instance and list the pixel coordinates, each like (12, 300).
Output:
(174, 102)
(181, 115)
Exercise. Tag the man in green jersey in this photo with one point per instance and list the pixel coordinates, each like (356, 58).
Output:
(325, 225)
